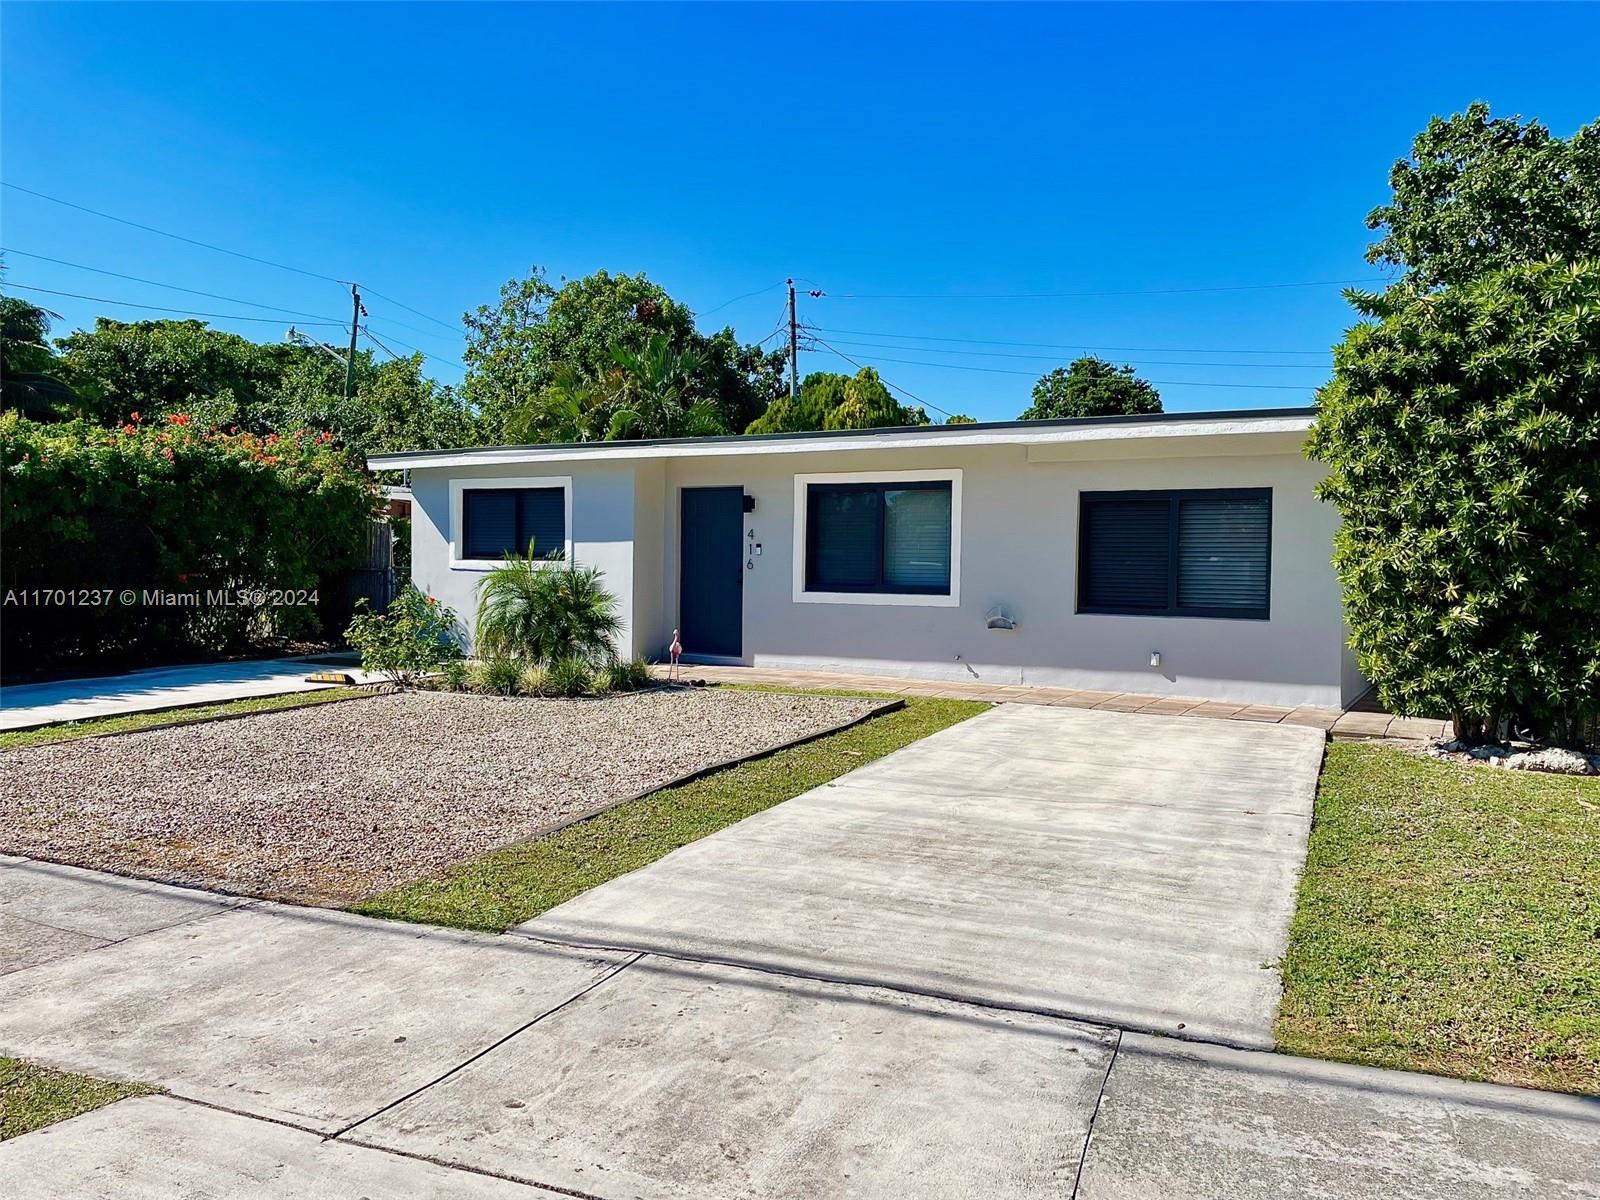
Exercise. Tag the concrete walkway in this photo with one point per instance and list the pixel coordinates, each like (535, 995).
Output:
(33, 704)
(307, 1052)
(1360, 722)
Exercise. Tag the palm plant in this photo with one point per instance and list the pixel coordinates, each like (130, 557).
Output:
(540, 611)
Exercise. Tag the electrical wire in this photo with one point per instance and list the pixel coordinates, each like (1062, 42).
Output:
(371, 337)
(928, 337)
(895, 386)
(1184, 291)
(157, 307)
(736, 299)
(1282, 387)
(290, 312)
(455, 329)
(1057, 358)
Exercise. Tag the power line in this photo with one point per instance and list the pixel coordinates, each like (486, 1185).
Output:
(928, 337)
(159, 308)
(1282, 387)
(416, 350)
(291, 312)
(895, 386)
(266, 262)
(1057, 358)
(455, 329)
(736, 299)
(371, 337)
(1184, 291)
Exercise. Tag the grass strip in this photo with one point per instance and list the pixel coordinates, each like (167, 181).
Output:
(517, 883)
(32, 1097)
(72, 731)
(1449, 922)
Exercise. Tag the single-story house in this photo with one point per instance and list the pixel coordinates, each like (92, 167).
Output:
(1180, 554)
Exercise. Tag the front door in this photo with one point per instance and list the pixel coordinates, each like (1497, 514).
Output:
(711, 572)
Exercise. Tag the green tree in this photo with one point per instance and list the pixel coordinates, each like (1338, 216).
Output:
(960, 419)
(1480, 194)
(832, 401)
(538, 334)
(1091, 387)
(31, 377)
(1462, 435)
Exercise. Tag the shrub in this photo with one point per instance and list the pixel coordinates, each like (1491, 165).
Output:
(542, 611)
(1462, 436)
(531, 681)
(173, 509)
(568, 677)
(455, 675)
(627, 674)
(414, 638)
(494, 676)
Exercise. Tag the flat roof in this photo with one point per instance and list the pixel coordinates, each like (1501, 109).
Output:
(983, 433)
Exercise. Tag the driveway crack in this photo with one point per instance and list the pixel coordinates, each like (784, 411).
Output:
(1088, 1134)
(493, 1046)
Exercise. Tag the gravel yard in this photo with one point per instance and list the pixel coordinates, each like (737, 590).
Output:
(329, 804)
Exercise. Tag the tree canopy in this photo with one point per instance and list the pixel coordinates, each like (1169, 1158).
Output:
(1478, 194)
(1091, 387)
(831, 401)
(540, 337)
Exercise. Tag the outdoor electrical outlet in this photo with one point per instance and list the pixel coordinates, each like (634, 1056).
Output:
(1155, 658)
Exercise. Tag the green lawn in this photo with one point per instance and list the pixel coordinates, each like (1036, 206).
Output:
(32, 1097)
(517, 883)
(94, 727)
(1449, 921)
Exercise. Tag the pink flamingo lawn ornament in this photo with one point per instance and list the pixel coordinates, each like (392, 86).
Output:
(675, 652)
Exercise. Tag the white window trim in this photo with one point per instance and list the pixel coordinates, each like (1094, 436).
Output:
(458, 488)
(801, 509)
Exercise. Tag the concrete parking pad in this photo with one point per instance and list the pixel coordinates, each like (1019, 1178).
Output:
(1207, 1123)
(678, 1079)
(301, 1015)
(157, 1148)
(1131, 869)
(92, 903)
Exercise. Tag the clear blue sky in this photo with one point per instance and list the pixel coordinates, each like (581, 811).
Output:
(941, 153)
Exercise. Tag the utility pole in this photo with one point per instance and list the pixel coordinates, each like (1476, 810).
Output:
(356, 313)
(794, 347)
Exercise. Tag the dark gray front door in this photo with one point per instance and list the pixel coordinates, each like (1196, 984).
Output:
(711, 572)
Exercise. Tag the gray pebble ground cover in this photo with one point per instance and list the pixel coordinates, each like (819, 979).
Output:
(332, 803)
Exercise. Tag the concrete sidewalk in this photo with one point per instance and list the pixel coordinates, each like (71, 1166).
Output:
(33, 704)
(314, 1053)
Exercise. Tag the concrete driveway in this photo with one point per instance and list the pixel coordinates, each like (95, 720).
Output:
(749, 1036)
(1132, 870)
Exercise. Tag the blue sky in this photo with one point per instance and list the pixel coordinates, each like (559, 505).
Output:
(932, 169)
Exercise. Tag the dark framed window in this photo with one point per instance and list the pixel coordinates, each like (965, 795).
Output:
(498, 521)
(1205, 553)
(879, 537)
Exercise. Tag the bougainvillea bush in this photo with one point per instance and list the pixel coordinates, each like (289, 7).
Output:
(151, 540)
(418, 636)
(1462, 433)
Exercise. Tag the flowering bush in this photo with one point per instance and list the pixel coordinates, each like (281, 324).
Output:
(416, 637)
(163, 539)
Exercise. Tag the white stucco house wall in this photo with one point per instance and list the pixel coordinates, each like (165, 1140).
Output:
(1180, 554)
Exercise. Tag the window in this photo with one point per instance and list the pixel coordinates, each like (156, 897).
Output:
(879, 538)
(1175, 554)
(498, 521)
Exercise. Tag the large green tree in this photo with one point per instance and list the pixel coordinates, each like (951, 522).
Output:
(1091, 387)
(1462, 435)
(32, 379)
(1478, 194)
(223, 380)
(831, 401)
(539, 336)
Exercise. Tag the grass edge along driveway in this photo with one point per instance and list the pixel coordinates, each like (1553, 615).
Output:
(1449, 922)
(516, 883)
(32, 1097)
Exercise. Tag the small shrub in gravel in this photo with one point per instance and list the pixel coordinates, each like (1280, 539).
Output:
(531, 681)
(627, 674)
(454, 677)
(414, 638)
(568, 677)
(495, 676)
